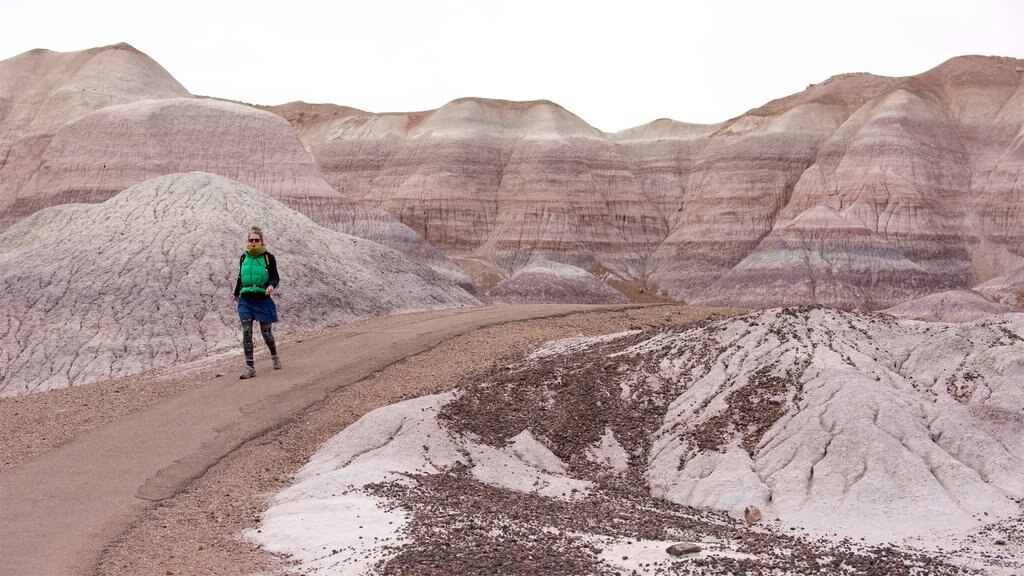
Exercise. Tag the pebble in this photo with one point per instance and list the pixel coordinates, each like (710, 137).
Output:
(683, 548)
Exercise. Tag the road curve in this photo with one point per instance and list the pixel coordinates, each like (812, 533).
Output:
(59, 510)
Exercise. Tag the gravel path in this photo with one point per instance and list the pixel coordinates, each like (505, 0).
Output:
(196, 531)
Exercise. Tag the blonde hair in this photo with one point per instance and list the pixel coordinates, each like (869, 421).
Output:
(258, 231)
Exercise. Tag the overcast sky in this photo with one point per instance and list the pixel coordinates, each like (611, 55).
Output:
(616, 64)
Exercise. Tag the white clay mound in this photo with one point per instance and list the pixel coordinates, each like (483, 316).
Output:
(145, 279)
(836, 424)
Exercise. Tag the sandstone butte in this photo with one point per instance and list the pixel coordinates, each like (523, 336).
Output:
(859, 192)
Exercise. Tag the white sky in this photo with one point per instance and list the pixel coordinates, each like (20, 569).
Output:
(616, 64)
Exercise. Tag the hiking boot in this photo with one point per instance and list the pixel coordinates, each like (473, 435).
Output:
(249, 372)
(277, 362)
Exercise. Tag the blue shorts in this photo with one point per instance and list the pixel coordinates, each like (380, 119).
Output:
(262, 310)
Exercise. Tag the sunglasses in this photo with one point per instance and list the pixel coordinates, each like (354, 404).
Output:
(251, 240)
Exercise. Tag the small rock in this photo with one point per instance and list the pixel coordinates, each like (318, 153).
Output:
(752, 514)
(683, 548)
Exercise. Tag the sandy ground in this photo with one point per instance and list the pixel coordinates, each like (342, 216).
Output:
(197, 531)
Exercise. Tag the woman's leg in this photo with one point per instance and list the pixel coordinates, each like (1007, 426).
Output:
(268, 337)
(247, 340)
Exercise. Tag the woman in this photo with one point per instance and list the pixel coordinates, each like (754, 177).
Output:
(257, 280)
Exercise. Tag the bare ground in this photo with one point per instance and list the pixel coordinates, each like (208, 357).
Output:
(197, 531)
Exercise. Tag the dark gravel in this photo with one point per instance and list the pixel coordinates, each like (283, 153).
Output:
(461, 526)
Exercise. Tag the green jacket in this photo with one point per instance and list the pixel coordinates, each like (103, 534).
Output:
(255, 274)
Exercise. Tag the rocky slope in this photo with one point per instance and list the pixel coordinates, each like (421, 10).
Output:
(41, 91)
(1007, 289)
(911, 180)
(144, 279)
(503, 181)
(545, 282)
(838, 427)
(859, 191)
(951, 306)
(103, 152)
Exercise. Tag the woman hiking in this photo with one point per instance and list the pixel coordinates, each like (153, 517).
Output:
(257, 280)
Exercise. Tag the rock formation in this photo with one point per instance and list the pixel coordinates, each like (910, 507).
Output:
(546, 282)
(103, 152)
(144, 279)
(909, 214)
(861, 191)
(88, 153)
(485, 274)
(951, 306)
(564, 190)
(843, 426)
(816, 415)
(41, 91)
(1007, 289)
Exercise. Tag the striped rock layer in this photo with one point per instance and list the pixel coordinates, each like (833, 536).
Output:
(861, 191)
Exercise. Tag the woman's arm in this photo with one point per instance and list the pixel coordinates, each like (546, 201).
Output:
(275, 279)
(238, 282)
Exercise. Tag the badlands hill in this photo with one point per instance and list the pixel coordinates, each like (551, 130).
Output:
(126, 121)
(545, 282)
(861, 191)
(869, 445)
(951, 306)
(1007, 289)
(144, 279)
(41, 91)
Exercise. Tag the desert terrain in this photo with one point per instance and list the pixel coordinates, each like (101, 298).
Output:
(791, 342)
